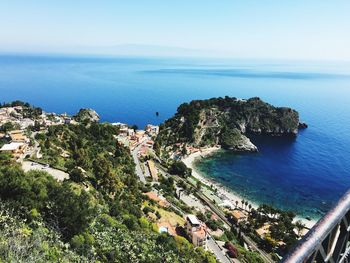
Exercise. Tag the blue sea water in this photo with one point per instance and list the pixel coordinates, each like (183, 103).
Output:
(306, 175)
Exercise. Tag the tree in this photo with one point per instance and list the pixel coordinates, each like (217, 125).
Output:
(300, 227)
(236, 204)
(9, 126)
(105, 178)
(198, 185)
(232, 250)
(73, 209)
(77, 175)
(179, 168)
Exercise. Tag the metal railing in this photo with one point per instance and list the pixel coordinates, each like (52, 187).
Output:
(328, 240)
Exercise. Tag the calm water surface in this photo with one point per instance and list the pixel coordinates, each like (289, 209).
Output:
(307, 174)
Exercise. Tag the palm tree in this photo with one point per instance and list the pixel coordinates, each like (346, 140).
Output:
(300, 227)
(236, 204)
(250, 207)
(242, 201)
(246, 204)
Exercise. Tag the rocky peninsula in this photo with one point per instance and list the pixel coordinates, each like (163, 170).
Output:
(227, 122)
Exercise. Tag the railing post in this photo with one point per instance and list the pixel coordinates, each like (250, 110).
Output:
(328, 240)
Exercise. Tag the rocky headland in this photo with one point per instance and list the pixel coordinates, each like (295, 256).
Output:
(227, 122)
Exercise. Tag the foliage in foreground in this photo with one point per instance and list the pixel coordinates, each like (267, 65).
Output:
(94, 216)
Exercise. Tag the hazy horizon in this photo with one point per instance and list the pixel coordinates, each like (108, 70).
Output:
(297, 30)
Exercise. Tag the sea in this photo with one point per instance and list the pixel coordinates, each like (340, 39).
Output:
(306, 175)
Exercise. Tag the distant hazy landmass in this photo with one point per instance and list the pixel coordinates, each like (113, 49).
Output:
(124, 50)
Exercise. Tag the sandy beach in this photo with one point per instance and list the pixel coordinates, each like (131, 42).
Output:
(227, 196)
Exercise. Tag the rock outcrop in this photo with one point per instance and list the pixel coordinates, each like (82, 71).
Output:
(87, 115)
(302, 125)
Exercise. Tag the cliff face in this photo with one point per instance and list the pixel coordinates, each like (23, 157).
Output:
(227, 121)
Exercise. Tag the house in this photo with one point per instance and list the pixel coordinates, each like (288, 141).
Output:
(15, 148)
(152, 130)
(238, 216)
(67, 120)
(123, 128)
(131, 132)
(152, 170)
(196, 230)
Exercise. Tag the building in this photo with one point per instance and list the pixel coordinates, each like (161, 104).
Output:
(196, 230)
(238, 216)
(123, 128)
(15, 148)
(131, 132)
(152, 130)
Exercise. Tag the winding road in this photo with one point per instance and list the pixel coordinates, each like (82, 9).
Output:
(138, 169)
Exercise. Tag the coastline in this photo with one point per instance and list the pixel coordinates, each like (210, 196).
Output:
(226, 195)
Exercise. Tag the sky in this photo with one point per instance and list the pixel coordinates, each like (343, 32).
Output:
(290, 29)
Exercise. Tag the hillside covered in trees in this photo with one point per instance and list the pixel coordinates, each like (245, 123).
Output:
(226, 121)
(95, 216)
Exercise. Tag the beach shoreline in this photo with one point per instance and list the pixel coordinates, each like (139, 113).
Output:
(227, 196)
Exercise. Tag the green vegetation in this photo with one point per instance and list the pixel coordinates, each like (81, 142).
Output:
(224, 121)
(9, 126)
(179, 168)
(94, 216)
(281, 235)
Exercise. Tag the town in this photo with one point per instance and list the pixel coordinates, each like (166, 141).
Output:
(176, 202)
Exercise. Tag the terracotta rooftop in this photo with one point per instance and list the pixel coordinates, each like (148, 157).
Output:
(238, 214)
(200, 232)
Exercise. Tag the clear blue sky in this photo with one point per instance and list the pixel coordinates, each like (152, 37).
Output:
(303, 29)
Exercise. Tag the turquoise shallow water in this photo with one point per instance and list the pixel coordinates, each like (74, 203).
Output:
(307, 174)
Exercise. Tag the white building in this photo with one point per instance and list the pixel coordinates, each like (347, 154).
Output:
(196, 230)
(152, 130)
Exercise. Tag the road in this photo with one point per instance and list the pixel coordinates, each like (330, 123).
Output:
(55, 173)
(215, 248)
(138, 169)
